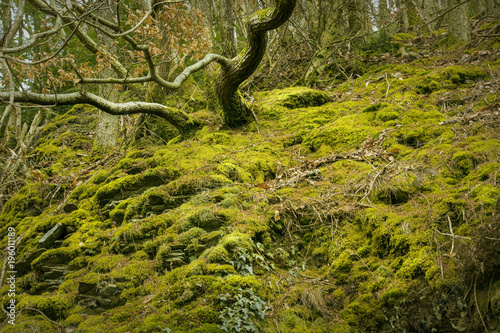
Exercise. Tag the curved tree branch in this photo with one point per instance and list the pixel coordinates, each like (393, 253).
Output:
(53, 55)
(176, 84)
(16, 24)
(34, 38)
(176, 117)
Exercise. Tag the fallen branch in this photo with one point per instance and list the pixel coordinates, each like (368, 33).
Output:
(370, 149)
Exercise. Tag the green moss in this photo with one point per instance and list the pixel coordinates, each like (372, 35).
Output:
(106, 263)
(488, 171)
(163, 256)
(297, 97)
(384, 271)
(216, 255)
(391, 297)
(403, 36)
(464, 162)
(135, 272)
(427, 85)
(234, 172)
(191, 235)
(78, 262)
(375, 107)
(343, 263)
(244, 282)
(415, 264)
(120, 188)
(27, 202)
(237, 240)
(74, 320)
(204, 218)
(387, 115)
(293, 320)
(129, 232)
(217, 138)
(55, 256)
(346, 133)
(30, 323)
(220, 270)
(363, 313)
(459, 74)
(486, 195)
(170, 226)
(54, 307)
(417, 137)
(100, 176)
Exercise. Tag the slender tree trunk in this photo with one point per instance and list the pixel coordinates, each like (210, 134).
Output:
(108, 126)
(430, 9)
(11, 27)
(235, 110)
(320, 59)
(229, 49)
(206, 7)
(383, 14)
(354, 19)
(12, 113)
(403, 12)
(458, 21)
(492, 7)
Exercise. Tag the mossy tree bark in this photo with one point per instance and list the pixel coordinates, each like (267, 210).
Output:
(236, 111)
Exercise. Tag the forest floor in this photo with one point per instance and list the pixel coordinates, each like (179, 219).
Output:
(369, 206)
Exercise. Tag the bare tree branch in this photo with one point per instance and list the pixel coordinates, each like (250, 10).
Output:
(52, 56)
(34, 38)
(17, 23)
(153, 76)
(177, 118)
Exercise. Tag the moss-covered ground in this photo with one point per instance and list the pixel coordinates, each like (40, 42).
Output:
(372, 206)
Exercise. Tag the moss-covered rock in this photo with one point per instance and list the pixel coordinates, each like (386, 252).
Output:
(298, 97)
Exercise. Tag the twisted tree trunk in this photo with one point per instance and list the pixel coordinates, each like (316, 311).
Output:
(236, 111)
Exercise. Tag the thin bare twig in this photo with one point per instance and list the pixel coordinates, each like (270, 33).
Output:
(478, 310)
(61, 326)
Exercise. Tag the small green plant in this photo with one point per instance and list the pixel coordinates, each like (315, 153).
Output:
(242, 262)
(241, 311)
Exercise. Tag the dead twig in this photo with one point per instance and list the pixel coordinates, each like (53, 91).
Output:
(478, 310)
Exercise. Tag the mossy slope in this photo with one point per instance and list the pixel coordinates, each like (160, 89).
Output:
(374, 211)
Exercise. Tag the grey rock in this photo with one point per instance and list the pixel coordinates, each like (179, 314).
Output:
(23, 266)
(51, 236)
(70, 207)
(55, 273)
(86, 288)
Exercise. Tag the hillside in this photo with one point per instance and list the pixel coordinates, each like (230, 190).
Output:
(368, 206)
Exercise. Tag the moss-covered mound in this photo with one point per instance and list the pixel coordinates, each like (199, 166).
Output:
(376, 211)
